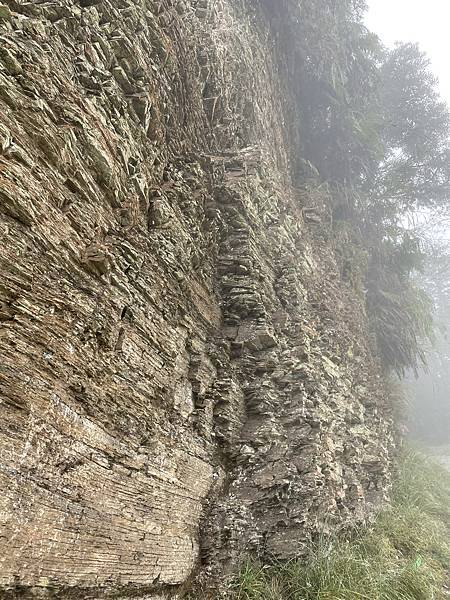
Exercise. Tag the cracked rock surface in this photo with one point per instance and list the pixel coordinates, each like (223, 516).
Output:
(184, 375)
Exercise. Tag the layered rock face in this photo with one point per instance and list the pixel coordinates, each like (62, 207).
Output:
(185, 377)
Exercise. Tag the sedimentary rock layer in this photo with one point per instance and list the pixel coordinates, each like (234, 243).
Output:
(185, 376)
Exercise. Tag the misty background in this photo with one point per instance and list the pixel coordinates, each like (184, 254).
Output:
(429, 394)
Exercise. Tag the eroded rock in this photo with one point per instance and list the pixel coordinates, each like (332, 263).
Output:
(184, 376)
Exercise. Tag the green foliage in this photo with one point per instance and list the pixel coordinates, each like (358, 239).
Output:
(415, 170)
(331, 60)
(405, 555)
(372, 123)
(399, 310)
(337, 80)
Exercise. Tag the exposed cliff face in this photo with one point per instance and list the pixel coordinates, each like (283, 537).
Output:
(176, 337)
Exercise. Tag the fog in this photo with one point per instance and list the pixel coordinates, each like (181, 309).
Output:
(429, 395)
(416, 21)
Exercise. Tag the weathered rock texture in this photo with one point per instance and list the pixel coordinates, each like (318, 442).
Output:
(176, 337)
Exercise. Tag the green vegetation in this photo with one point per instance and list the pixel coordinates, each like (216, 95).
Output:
(370, 122)
(404, 555)
(399, 310)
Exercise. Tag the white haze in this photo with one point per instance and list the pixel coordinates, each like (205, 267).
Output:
(428, 24)
(416, 21)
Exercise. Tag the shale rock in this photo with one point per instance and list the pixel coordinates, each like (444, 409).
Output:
(184, 377)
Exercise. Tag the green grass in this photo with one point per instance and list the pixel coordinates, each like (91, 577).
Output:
(405, 555)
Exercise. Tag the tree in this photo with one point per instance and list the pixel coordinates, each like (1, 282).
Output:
(371, 122)
(373, 125)
(415, 134)
(337, 83)
(399, 310)
(413, 175)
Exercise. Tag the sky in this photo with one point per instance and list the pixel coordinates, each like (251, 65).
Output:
(416, 21)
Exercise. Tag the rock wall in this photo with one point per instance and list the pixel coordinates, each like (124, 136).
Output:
(185, 376)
